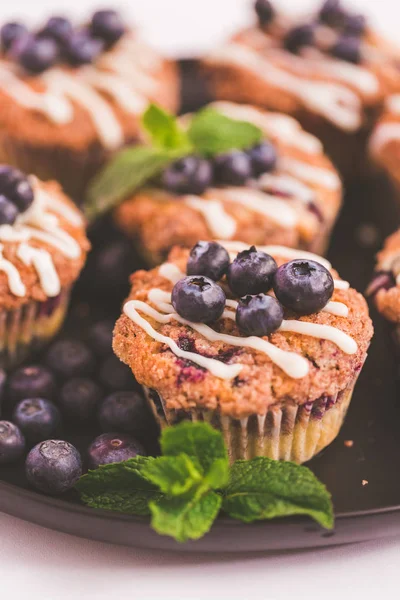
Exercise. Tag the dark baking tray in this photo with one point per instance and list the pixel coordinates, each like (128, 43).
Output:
(363, 478)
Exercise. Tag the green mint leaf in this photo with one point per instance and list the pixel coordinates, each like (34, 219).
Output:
(174, 475)
(185, 518)
(213, 133)
(164, 130)
(123, 175)
(120, 487)
(263, 488)
(198, 440)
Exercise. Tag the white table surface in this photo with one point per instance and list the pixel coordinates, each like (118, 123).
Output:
(39, 564)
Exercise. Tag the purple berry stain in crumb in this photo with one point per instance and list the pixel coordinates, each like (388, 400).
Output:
(382, 280)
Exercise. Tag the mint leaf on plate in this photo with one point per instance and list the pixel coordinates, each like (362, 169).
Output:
(263, 488)
(213, 133)
(198, 440)
(124, 174)
(174, 475)
(185, 518)
(120, 487)
(164, 130)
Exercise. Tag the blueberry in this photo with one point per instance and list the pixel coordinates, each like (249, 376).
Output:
(263, 158)
(124, 411)
(304, 286)
(115, 375)
(265, 11)
(37, 418)
(79, 398)
(10, 32)
(198, 299)
(53, 466)
(22, 195)
(251, 272)
(33, 381)
(355, 24)
(36, 54)
(107, 25)
(8, 211)
(299, 37)
(70, 358)
(209, 259)
(112, 448)
(100, 338)
(259, 315)
(347, 48)
(232, 168)
(12, 442)
(58, 28)
(188, 175)
(332, 13)
(82, 49)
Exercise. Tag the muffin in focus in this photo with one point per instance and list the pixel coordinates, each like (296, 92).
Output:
(271, 364)
(43, 248)
(71, 96)
(281, 190)
(329, 70)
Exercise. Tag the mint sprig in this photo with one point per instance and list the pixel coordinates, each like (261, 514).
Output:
(209, 133)
(185, 489)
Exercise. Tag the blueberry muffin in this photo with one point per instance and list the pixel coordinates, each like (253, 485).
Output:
(43, 248)
(384, 288)
(384, 144)
(331, 71)
(264, 343)
(283, 190)
(71, 96)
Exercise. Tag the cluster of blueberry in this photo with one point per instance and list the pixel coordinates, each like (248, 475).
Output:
(59, 41)
(302, 286)
(43, 401)
(350, 26)
(193, 174)
(16, 194)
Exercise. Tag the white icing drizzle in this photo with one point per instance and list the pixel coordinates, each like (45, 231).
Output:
(14, 278)
(43, 263)
(281, 126)
(275, 209)
(219, 222)
(336, 308)
(310, 173)
(384, 134)
(324, 332)
(333, 101)
(171, 272)
(118, 73)
(341, 285)
(393, 103)
(37, 223)
(288, 185)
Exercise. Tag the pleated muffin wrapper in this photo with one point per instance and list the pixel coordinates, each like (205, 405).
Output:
(28, 328)
(286, 432)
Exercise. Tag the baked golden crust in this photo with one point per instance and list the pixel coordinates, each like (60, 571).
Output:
(260, 384)
(388, 300)
(158, 220)
(68, 269)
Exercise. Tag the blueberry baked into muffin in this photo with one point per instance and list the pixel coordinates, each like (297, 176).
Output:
(384, 288)
(280, 190)
(43, 248)
(70, 96)
(264, 343)
(331, 71)
(384, 144)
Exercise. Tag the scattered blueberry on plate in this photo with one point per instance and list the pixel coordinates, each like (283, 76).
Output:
(113, 447)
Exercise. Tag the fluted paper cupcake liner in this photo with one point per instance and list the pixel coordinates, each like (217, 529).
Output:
(28, 328)
(289, 432)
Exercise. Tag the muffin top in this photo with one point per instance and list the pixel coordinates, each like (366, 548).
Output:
(385, 286)
(244, 356)
(285, 190)
(330, 63)
(384, 144)
(77, 86)
(43, 244)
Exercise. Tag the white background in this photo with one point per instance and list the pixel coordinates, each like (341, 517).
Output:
(38, 564)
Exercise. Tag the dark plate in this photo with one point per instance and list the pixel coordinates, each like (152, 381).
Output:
(363, 478)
